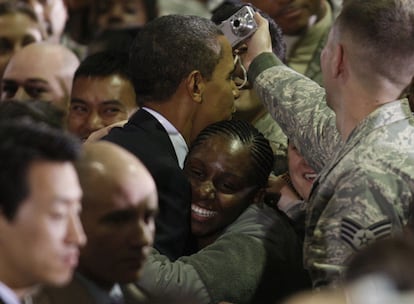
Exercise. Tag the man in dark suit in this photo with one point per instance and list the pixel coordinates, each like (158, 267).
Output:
(181, 68)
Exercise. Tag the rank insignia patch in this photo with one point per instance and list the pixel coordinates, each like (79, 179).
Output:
(358, 237)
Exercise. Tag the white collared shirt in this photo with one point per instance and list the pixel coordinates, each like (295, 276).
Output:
(180, 146)
(7, 295)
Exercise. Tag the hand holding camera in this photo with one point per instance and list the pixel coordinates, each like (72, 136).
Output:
(240, 26)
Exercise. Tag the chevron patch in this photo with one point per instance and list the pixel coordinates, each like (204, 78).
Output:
(358, 237)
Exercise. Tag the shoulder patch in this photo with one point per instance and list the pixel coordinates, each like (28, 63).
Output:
(359, 237)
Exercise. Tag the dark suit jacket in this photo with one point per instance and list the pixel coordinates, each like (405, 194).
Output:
(145, 137)
(76, 292)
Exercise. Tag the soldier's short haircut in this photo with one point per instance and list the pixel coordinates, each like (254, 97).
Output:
(382, 33)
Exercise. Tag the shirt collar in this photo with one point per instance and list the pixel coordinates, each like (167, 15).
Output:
(7, 295)
(177, 140)
(98, 294)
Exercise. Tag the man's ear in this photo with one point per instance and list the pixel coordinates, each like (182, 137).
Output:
(338, 61)
(195, 86)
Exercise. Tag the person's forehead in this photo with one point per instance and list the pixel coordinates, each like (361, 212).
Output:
(57, 178)
(220, 147)
(16, 22)
(226, 60)
(102, 90)
(114, 80)
(31, 66)
(123, 191)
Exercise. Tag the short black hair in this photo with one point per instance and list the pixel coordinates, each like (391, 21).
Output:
(22, 143)
(103, 64)
(167, 49)
(114, 39)
(229, 7)
(151, 7)
(37, 110)
(261, 153)
(382, 33)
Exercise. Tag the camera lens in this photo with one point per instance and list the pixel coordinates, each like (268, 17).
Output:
(241, 26)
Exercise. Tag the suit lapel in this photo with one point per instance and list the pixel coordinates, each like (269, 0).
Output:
(144, 120)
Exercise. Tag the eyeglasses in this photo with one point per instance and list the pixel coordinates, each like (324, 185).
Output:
(240, 82)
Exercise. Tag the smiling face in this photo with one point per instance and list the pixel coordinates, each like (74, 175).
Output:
(222, 184)
(97, 102)
(41, 243)
(119, 209)
(301, 174)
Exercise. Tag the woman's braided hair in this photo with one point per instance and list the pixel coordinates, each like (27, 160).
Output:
(260, 150)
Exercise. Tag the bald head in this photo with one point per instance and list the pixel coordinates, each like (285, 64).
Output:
(40, 71)
(110, 164)
(119, 205)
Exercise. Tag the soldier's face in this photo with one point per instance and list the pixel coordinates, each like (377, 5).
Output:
(301, 174)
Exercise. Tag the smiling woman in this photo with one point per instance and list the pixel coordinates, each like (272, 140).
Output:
(238, 236)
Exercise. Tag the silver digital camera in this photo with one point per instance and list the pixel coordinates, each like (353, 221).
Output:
(239, 26)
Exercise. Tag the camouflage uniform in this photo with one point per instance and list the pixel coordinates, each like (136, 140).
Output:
(277, 139)
(365, 185)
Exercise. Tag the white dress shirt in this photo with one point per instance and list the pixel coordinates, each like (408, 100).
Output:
(180, 146)
(7, 295)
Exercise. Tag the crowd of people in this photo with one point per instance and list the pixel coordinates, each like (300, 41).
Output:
(145, 158)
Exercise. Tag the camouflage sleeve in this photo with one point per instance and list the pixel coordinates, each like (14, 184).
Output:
(358, 213)
(298, 105)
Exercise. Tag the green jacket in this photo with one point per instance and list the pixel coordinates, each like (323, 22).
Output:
(257, 259)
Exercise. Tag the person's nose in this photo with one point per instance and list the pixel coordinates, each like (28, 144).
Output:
(235, 90)
(207, 191)
(116, 14)
(21, 94)
(94, 122)
(142, 233)
(75, 233)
